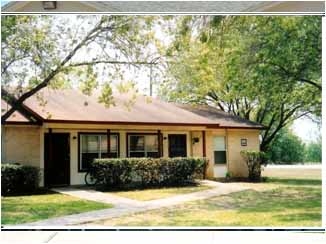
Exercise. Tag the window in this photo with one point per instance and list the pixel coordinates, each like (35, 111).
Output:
(143, 146)
(244, 142)
(177, 145)
(219, 150)
(93, 146)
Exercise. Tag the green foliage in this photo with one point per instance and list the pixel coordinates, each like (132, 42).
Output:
(254, 161)
(107, 96)
(286, 148)
(18, 179)
(146, 172)
(263, 68)
(313, 152)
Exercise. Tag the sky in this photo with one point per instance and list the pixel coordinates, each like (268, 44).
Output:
(3, 2)
(306, 129)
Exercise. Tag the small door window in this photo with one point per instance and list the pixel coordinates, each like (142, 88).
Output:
(177, 145)
(219, 150)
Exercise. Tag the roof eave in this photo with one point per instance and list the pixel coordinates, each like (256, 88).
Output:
(38, 123)
(208, 125)
(245, 127)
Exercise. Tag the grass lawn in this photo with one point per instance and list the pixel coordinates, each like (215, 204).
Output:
(157, 193)
(277, 202)
(23, 209)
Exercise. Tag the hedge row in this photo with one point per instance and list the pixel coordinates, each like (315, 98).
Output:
(16, 179)
(147, 171)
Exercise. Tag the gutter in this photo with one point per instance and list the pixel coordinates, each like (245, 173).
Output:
(208, 125)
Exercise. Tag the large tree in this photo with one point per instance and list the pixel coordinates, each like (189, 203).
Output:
(263, 68)
(57, 51)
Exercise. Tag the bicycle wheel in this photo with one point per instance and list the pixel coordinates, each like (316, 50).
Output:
(89, 179)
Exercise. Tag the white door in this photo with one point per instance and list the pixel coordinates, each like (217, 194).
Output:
(219, 149)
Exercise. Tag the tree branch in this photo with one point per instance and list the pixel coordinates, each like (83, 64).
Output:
(311, 83)
(107, 62)
(53, 73)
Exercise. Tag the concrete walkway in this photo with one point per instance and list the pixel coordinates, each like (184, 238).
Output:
(124, 206)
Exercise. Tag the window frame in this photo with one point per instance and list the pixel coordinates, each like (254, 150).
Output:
(244, 142)
(142, 134)
(225, 150)
(80, 170)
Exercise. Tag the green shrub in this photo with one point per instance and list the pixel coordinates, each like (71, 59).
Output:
(147, 172)
(227, 174)
(16, 178)
(254, 160)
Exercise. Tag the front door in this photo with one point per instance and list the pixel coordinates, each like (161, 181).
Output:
(177, 145)
(56, 159)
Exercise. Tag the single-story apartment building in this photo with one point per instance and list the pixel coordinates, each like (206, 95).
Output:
(62, 131)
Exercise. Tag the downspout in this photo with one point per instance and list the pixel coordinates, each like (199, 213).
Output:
(108, 135)
(3, 140)
(46, 176)
(192, 145)
(227, 149)
(204, 151)
(160, 143)
(42, 150)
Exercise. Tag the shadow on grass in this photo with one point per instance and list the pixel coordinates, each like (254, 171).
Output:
(39, 191)
(138, 187)
(299, 217)
(294, 182)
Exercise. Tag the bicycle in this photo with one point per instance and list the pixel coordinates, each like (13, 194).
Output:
(90, 177)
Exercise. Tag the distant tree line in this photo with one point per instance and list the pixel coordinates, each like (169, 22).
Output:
(288, 148)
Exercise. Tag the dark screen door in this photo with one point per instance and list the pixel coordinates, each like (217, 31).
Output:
(56, 159)
(177, 145)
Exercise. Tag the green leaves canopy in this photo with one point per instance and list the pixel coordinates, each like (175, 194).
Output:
(263, 68)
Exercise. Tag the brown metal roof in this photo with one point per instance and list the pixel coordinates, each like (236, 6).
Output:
(73, 106)
(222, 118)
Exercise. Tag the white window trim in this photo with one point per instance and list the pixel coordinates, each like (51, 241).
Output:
(99, 135)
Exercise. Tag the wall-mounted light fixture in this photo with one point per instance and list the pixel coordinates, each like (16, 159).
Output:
(244, 142)
(49, 4)
(195, 140)
(74, 137)
(165, 138)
